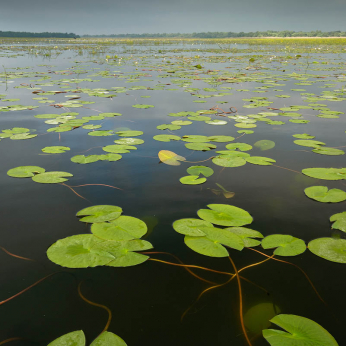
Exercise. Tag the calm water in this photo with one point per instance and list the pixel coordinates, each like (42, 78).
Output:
(148, 301)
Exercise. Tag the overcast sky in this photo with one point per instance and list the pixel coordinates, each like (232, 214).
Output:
(184, 16)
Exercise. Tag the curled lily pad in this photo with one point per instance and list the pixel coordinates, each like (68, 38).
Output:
(331, 249)
(228, 161)
(191, 227)
(264, 144)
(340, 221)
(25, 171)
(51, 177)
(99, 213)
(122, 228)
(200, 146)
(225, 215)
(170, 158)
(197, 170)
(82, 159)
(322, 194)
(240, 146)
(192, 180)
(259, 160)
(246, 234)
(79, 251)
(328, 151)
(326, 173)
(166, 138)
(211, 244)
(300, 331)
(286, 244)
(55, 149)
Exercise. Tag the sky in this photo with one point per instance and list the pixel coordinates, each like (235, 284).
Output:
(159, 16)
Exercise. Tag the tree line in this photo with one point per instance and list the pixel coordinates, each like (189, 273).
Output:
(37, 34)
(217, 34)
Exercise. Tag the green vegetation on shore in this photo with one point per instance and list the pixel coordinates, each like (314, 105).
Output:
(37, 34)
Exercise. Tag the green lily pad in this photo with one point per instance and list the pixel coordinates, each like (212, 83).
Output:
(340, 221)
(259, 160)
(110, 115)
(200, 146)
(99, 213)
(264, 144)
(55, 149)
(240, 146)
(118, 148)
(51, 177)
(225, 215)
(170, 158)
(220, 139)
(47, 116)
(191, 227)
(192, 180)
(216, 122)
(228, 161)
(25, 171)
(328, 151)
(326, 173)
(286, 244)
(78, 251)
(129, 141)
(106, 339)
(110, 157)
(303, 136)
(82, 159)
(100, 133)
(195, 139)
(331, 249)
(143, 106)
(246, 234)
(197, 170)
(308, 143)
(91, 127)
(76, 338)
(322, 194)
(300, 332)
(122, 228)
(181, 122)
(129, 133)
(170, 127)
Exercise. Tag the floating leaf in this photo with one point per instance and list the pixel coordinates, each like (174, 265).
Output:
(76, 338)
(166, 138)
(170, 127)
(326, 173)
(259, 160)
(303, 136)
(216, 122)
(322, 194)
(229, 161)
(191, 227)
(170, 158)
(192, 180)
(226, 194)
(246, 234)
(25, 171)
(286, 244)
(195, 139)
(99, 213)
(55, 149)
(181, 122)
(197, 170)
(51, 177)
(129, 133)
(328, 151)
(118, 148)
(220, 139)
(82, 159)
(225, 215)
(300, 332)
(79, 251)
(309, 143)
(143, 106)
(331, 249)
(101, 133)
(240, 146)
(122, 228)
(340, 221)
(129, 141)
(106, 339)
(264, 144)
(22, 136)
(200, 146)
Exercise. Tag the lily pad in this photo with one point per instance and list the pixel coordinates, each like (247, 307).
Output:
(129, 141)
(240, 146)
(326, 173)
(82, 159)
(122, 228)
(25, 171)
(259, 160)
(99, 213)
(264, 144)
(331, 249)
(170, 158)
(191, 227)
(195, 139)
(340, 221)
(303, 136)
(286, 244)
(220, 139)
(129, 133)
(328, 151)
(51, 177)
(55, 149)
(142, 106)
(228, 161)
(192, 180)
(200, 146)
(301, 331)
(308, 143)
(76, 338)
(106, 339)
(100, 133)
(166, 138)
(197, 170)
(246, 234)
(322, 194)
(225, 215)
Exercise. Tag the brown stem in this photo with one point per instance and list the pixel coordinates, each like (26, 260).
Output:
(13, 255)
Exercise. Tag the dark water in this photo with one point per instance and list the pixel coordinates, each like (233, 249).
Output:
(147, 301)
